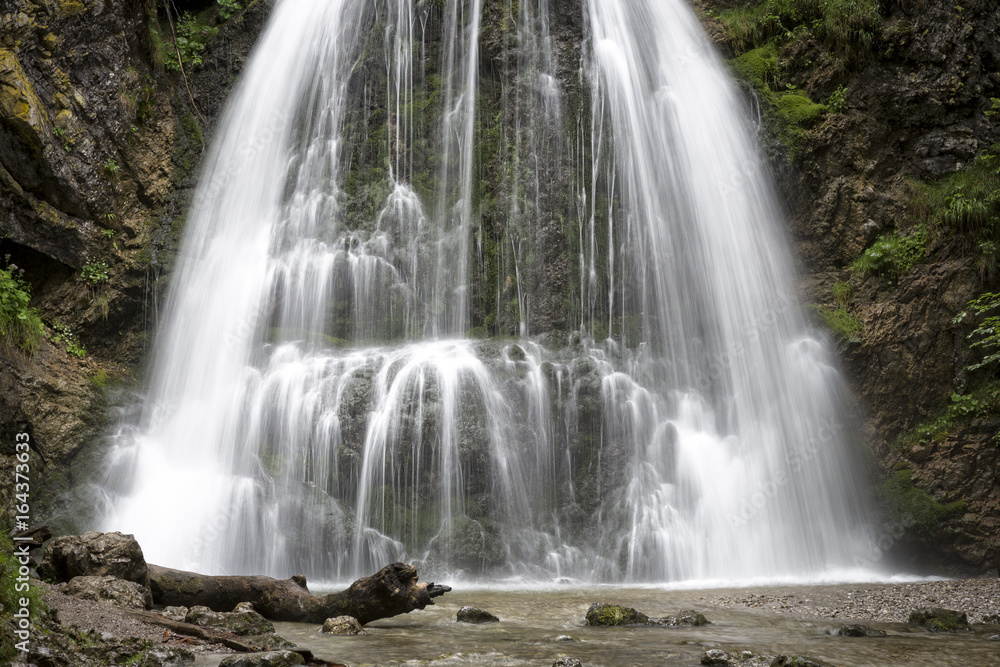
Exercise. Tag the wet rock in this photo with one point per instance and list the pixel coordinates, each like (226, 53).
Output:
(716, 657)
(564, 661)
(684, 618)
(205, 617)
(992, 618)
(995, 638)
(175, 613)
(798, 661)
(564, 638)
(273, 642)
(611, 615)
(858, 631)
(342, 625)
(937, 619)
(94, 554)
(266, 659)
(475, 615)
(123, 593)
(244, 622)
(167, 656)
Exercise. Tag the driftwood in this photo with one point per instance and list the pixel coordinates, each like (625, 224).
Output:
(391, 591)
(227, 639)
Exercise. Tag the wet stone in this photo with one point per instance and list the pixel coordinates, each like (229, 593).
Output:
(266, 659)
(564, 661)
(937, 619)
(858, 631)
(475, 615)
(342, 625)
(611, 615)
(175, 613)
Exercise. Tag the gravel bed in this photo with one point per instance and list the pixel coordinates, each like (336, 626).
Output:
(891, 603)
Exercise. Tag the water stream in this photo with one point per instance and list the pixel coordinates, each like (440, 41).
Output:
(316, 403)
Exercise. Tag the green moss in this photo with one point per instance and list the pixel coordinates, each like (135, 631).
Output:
(906, 504)
(936, 619)
(612, 615)
(840, 321)
(798, 109)
(758, 66)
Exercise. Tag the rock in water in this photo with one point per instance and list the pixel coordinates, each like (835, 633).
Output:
(475, 615)
(715, 658)
(123, 593)
(684, 618)
(268, 659)
(937, 619)
(94, 554)
(564, 661)
(342, 625)
(611, 615)
(858, 631)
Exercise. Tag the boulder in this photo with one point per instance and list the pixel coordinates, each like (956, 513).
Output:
(266, 659)
(611, 615)
(167, 656)
(684, 618)
(716, 658)
(244, 622)
(857, 631)
(342, 625)
(797, 661)
(175, 613)
(993, 619)
(123, 593)
(937, 619)
(475, 615)
(94, 554)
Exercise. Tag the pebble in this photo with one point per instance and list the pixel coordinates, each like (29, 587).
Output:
(978, 598)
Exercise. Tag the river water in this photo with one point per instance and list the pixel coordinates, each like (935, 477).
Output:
(532, 621)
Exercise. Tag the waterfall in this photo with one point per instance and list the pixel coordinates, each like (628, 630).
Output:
(316, 404)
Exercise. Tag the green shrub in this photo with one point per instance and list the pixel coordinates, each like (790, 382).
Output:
(892, 255)
(228, 8)
(65, 334)
(95, 272)
(987, 334)
(20, 325)
(192, 36)
(837, 102)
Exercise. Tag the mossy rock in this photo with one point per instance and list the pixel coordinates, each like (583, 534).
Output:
(913, 507)
(611, 615)
(759, 66)
(798, 109)
(937, 619)
(475, 615)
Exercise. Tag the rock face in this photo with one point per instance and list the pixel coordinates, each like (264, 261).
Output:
(123, 593)
(94, 554)
(937, 619)
(474, 615)
(342, 625)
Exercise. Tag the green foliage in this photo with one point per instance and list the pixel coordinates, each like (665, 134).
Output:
(10, 597)
(908, 505)
(798, 109)
(840, 321)
(892, 255)
(850, 28)
(981, 403)
(758, 66)
(111, 167)
(20, 325)
(228, 8)
(192, 36)
(837, 102)
(65, 334)
(95, 272)
(987, 334)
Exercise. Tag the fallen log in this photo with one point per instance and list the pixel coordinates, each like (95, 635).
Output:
(391, 591)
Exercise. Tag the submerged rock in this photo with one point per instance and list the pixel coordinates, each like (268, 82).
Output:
(937, 619)
(266, 659)
(342, 625)
(857, 631)
(610, 615)
(475, 615)
(123, 593)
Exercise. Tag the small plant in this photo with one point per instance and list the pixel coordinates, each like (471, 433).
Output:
(95, 272)
(111, 167)
(192, 36)
(892, 255)
(20, 324)
(65, 334)
(837, 102)
(987, 334)
(228, 8)
(108, 233)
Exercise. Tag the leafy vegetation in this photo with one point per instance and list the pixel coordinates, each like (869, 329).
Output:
(193, 35)
(850, 28)
(20, 325)
(837, 318)
(981, 403)
(892, 255)
(967, 203)
(95, 272)
(228, 8)
(987, 334)
(66, 334)
(10, 597)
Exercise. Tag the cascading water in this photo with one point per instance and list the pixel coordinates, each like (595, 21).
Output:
(310, 408)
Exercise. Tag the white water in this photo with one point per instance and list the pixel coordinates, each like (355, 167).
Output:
(283, 433)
